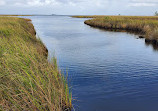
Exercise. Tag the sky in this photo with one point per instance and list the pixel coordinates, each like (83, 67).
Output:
(79, 7)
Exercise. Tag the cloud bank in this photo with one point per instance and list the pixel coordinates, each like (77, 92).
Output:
(71, 7)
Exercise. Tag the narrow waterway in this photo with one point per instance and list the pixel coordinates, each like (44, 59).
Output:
(108, 71)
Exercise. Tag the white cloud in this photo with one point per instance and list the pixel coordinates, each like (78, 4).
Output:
(39, 2)
(31, 3)
(145, 1)
(93, 7)
(142, 4)
(2, 2)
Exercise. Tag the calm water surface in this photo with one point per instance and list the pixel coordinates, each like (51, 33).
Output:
(108, 71)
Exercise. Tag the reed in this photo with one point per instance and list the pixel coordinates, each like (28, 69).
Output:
(27, 80)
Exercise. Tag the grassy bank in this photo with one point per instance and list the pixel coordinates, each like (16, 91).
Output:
(27, 80)
(144, 25)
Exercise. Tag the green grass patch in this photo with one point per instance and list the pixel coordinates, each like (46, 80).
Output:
(27, 80)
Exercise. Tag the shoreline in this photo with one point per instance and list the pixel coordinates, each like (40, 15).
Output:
(144, 27)
(153, 43)
(27, 79)
(134, 31)
(118, 30)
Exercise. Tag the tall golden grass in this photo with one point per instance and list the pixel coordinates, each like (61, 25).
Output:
(27, 80)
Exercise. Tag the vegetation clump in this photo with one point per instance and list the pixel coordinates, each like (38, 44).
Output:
(27, 80)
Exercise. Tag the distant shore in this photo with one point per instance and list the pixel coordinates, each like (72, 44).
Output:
(15, 15)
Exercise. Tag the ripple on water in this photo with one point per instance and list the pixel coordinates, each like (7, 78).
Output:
(110, 71)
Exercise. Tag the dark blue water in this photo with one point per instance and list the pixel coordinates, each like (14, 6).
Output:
(108, 71)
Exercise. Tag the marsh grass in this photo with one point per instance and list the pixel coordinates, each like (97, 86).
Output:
(27, 80)
(144, 25)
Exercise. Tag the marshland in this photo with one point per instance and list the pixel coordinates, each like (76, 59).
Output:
(105, 68)
(27, 80)
(106, 65)
(78, 55)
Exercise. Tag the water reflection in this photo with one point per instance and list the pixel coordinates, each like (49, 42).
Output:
(138, 36)
(109, 71)
(153, 44)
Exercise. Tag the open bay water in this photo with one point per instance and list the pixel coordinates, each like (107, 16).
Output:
(108, 71)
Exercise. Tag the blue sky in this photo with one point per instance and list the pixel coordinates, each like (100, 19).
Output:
(79, 7)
